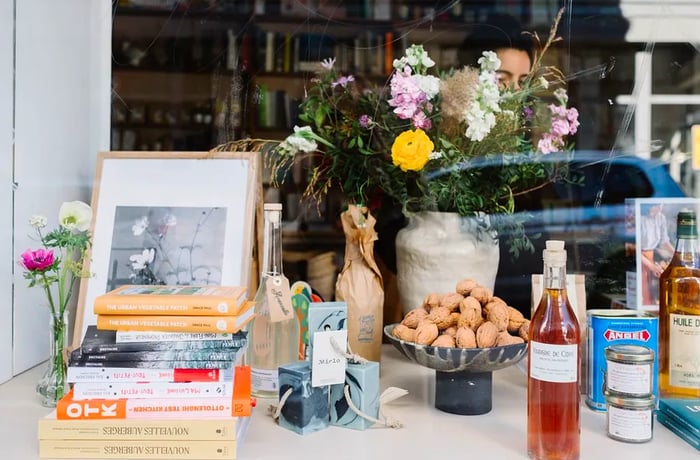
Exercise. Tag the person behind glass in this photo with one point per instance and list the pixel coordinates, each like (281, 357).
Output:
(504, 35)
(655, 248)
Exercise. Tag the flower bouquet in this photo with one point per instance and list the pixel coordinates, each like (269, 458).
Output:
(418, 139)
(55, 268)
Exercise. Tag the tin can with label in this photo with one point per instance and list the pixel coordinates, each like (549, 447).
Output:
(616, 327)
(630, 419)
(630, 370)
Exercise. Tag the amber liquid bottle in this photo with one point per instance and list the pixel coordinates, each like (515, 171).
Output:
(679, 315)
(553, 402)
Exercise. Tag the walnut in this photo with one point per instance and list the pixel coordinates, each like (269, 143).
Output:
(426, 333)
(452, 330)
(515, 320)
(471, 318)
(486, 335)
(444, 340)
(404, 333)
(504, 338)
(465, 286)
(431, 300)
(451, 300)
(524, 330)
(413, 317)
(482, 294)
(491, 303)
(465, 338)
(469, 302)
(498, 315)
(441, 316)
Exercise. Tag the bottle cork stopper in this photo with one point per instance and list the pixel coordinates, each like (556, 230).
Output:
(554, 253)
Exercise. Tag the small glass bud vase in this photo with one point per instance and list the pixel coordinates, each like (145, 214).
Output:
(52, 386)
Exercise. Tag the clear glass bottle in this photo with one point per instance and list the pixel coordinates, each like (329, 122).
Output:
(679, 314)
(273, 337)
(553, 401)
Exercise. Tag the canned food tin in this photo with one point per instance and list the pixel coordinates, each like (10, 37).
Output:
(630, 419)
(615, 327)
(629, 370)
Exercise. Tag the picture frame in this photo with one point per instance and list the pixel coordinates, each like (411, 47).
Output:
(172, 218)
(642, 284)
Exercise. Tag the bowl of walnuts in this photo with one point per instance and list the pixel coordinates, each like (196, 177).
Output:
(464, 336)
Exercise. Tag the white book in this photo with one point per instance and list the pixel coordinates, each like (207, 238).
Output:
(156, 336)
(175, 390)
(126, 374)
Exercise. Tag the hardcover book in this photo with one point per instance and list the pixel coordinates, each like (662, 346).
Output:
(172, 300)
(194, 429)
(155, 365)
(121, 390)
(103, 341)
(124, 374)
(206, 354)
(673, 424)
(140, 449)
(684, 411)
(175, 323)
(159, 336)
(238, 405)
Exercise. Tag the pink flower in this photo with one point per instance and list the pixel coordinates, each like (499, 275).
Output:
(421, 121)
(548, 144)
(572, 116)
(560, 127)
(39, 260)
(343, 81)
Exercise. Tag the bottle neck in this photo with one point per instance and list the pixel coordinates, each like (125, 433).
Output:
(554, 277)
(272, 244)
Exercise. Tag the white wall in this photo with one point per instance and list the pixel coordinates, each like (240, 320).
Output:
(665, 21)
(6, 256)
(61, 117)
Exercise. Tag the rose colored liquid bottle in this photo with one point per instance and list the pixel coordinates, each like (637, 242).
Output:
(553, 401)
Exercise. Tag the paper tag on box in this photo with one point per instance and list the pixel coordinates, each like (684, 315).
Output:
(328, 366)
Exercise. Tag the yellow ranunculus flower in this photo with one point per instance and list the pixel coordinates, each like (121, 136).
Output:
(411, 150)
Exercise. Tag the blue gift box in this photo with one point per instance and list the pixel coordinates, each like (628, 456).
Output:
(363, 382)
(326, 316)
(306, 409)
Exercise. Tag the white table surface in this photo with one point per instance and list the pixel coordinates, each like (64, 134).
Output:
(427, 434)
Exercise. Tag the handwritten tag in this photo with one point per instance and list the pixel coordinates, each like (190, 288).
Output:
(279, 299)
(328, 365)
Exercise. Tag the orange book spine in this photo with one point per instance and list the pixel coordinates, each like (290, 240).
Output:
(388, 53)
(172, 300)
(239, 404)
(178, 323)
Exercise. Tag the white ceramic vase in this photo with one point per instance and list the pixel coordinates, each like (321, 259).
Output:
(438, 249)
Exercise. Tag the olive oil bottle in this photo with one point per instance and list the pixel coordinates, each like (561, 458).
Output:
(679, 314)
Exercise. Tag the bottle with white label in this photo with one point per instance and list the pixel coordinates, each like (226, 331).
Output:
(553, 421)
(273, 337)
(679, 314)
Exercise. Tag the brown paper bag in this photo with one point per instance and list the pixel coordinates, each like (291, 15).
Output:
(360, 284)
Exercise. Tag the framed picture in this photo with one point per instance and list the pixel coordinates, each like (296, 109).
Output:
(652, 221)
(188, 218)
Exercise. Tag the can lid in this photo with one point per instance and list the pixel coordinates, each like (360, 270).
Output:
(632, 353)
(272, 207)
(632, 402)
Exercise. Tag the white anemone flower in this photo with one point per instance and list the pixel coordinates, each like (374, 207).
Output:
(75, 215)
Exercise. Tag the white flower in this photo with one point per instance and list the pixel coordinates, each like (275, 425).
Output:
(37, 221)
(140, 226)
(428, 84)
(562, 97)
(416, 57)
(300, 141)
(141, 261)
(435, 155)
(544, 83)
(489, 61)
(75, 215)
(328, 63)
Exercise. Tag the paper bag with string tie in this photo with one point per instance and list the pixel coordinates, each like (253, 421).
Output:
(360, 284)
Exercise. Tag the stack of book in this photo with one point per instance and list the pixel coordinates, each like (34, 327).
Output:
(681, 416)
(160, 376)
